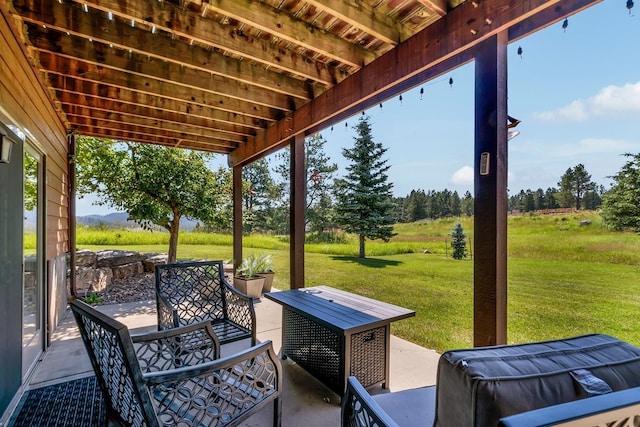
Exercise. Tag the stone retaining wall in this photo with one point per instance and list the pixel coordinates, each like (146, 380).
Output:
(96, 270)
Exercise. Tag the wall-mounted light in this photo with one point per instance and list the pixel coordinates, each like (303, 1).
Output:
(6, 144)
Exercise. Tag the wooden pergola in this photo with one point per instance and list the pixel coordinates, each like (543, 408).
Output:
(245, 78)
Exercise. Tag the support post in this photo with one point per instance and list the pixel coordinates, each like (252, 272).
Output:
(490, 187)
(237, 217)
(71, 173)
(297, 212)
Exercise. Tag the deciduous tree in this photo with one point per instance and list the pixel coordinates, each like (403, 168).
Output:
(155, 185)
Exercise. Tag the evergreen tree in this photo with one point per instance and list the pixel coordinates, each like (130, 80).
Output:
(365, 205)
(258, 192)
(458, 242)
(573, 185)
(319, 211)
(467, 204)
(621, 204)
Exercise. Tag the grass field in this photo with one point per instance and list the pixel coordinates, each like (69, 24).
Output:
(563, 279)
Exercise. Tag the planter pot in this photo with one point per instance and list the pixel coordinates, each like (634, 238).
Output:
(251, 287)
(268, 280)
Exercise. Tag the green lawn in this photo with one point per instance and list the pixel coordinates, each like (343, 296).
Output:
(563, 279)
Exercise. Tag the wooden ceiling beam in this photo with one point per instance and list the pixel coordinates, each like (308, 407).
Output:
(453, 35)
(548, 17)
(71, 89)
(79, 70)
(136, 112)
(365, 19)
(108, 128)
(436, 6)
(192, 58)
(155, 140)
(100, 55)
(115, 120)
(284, 26)
(94, 24)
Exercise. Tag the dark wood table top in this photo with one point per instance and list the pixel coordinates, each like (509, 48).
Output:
(343, 310)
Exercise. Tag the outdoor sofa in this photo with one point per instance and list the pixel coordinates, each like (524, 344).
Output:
(589, 380)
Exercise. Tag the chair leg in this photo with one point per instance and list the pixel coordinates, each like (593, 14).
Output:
(277, 412)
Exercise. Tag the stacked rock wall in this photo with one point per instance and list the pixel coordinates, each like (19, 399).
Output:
(96, 270)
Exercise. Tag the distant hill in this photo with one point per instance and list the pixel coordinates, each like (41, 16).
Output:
(119, 220)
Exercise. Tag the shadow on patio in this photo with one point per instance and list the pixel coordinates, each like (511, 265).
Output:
(306, 401)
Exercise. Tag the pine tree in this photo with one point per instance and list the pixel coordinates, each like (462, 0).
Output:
(621, 204)
(458, 242)
(365, 205)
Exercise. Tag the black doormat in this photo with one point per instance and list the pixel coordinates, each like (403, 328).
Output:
(76, 403)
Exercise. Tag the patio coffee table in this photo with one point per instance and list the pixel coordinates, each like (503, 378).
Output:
(333, 334)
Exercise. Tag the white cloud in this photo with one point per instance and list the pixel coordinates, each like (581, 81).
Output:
(462, 176)
(610, 100)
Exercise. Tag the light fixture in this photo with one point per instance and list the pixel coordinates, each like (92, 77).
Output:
(5, 149)
(512, 122)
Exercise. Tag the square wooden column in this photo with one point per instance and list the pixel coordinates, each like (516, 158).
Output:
(490, 187)
(297, 212)
(237, 217)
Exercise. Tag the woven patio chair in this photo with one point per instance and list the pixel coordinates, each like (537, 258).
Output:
(173, 377)
(192, 292)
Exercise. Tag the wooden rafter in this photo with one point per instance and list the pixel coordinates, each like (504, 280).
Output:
(98, 56)
(96, 25)
(116, 120)
(452, 36)
(85, 107)
(256, 72)
(286, 27)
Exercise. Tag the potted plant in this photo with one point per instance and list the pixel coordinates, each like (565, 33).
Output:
(246, 279)
(265, 269)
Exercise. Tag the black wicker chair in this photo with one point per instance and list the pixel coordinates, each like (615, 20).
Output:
(173, 378)
(192, 292)
(413, 407)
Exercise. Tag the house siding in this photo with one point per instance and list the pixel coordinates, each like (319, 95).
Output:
(24, 103)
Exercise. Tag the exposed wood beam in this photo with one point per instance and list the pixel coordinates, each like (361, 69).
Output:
(183, 138)
(192, 125)
(131, 83)
(437, 6)
(118, 120)
(453, 35)
(95, 25)
(138, 111)
(548, 17)
(156, 140)
(193, 58)
(84, 92)
(365, 19)
(100, 55)
(286, 27)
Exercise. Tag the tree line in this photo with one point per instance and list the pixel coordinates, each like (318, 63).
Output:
(157, 186)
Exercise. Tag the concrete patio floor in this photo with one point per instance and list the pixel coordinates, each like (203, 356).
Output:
(305, 401)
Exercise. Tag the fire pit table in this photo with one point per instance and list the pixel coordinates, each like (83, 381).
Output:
(333, 334)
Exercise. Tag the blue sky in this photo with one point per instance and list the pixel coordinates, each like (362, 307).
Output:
(577, 93)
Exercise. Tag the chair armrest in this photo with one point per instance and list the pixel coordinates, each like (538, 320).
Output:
(221, 392)
(174, 348)
(239, 309)
(167, 315)
(359, 409)
(618, 408)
